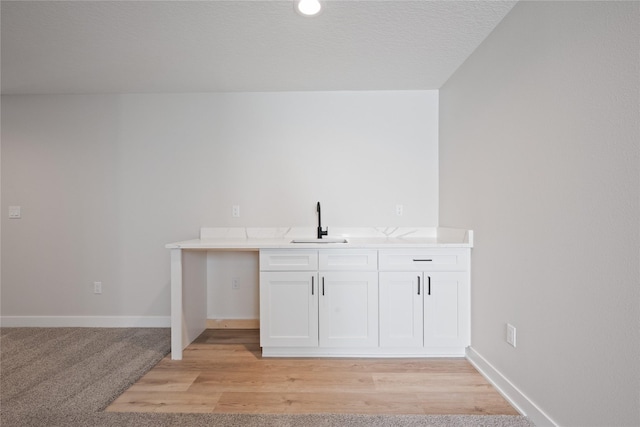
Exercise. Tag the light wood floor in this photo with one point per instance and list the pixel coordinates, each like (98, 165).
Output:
(223, 372)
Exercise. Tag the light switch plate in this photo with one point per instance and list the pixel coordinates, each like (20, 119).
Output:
(15, 212)
(511, 335)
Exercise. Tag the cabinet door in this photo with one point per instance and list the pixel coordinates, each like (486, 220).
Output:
(446, 310)
(401, 307)
(349, 309)
(289, 309)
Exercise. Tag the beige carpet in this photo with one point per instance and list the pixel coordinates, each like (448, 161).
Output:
(67, 376)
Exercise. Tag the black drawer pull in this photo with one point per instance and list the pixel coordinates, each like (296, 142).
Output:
(421, 260)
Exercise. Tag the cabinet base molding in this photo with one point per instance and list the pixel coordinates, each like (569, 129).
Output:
(362, 352)
(233, 323)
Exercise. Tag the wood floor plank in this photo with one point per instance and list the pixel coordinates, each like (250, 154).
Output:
(244, 356)
(165, 381)
(430, 382)
(213, 362)
(310, 403)
(211, 336)
(283, 381)
(487, 402)
(154, 401)
(223, 371)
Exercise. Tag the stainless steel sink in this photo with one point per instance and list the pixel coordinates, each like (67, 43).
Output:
(325, 240)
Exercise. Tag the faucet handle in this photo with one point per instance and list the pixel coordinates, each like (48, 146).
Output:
(322, 233)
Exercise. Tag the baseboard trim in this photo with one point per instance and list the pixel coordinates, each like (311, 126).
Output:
(85, 321)
(509, 391)
(233, 323)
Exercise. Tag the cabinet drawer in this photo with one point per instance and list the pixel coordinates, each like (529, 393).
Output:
(424, 260)
(348, 260)
(286, 260)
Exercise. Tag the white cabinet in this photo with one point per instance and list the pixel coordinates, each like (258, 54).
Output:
(446, 309)
(441, 259)
(288, 309)
(348, 260)
(289, 298)
(349, 309)
(349, 298)
(301, 306)
(428, 305)
(360, 302)
(289, 260)
(401, 309)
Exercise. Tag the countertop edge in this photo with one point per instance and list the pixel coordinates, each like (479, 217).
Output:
(253, 245)
(240, 239)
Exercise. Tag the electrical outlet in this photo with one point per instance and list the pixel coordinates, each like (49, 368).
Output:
(511, 335)
(235, 211)
(15, 212)
(399, 210)
(235, 284)
(97, 287)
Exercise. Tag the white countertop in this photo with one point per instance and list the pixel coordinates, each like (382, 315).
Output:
(244, 238)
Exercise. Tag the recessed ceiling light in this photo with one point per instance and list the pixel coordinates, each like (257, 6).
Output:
(308, 7)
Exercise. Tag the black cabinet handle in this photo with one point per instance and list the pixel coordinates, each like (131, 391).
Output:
(429, 286)
(312, 282)
(421, 260)
(323, 286)
(418, 285)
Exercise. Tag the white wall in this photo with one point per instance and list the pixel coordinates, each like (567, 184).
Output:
(105, 181)
(539, 154)
(223, 300)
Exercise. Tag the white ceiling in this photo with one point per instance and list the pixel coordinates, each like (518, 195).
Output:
(213, 46)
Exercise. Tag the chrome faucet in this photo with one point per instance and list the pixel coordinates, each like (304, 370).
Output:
(320, 232)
